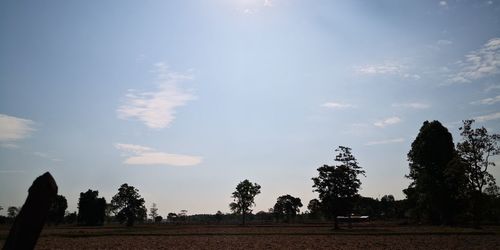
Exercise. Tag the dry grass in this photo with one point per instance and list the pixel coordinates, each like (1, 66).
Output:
(368, 236)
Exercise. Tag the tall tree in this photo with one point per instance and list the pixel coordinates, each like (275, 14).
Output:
(432, 173)
(153, 212)
(128, 205)
(244, 198)
(476, 150)
(91, 208)
(57, 210)
(287, 207)
(338, 185)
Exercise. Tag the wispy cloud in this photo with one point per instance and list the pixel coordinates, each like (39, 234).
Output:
(387, 121)
(142, 155)
(336, 105)
(479, 64)
(47, 156)
(444, 42)
(489, 117)
(413, 105)
(443, 3)
(380, 69)
(13, 129)
(387, 68)
(492, 88)
(487, 101)
(11, 171)
(156, 109)
(397, 140)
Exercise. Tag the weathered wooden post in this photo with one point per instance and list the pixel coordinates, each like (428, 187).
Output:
(30, 220)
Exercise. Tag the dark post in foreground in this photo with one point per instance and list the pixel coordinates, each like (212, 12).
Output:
(29, 223)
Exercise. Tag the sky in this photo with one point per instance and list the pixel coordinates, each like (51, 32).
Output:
(185, 99)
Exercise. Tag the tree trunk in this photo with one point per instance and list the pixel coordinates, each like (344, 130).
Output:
(243, 218)
(349, 221)
(335, 222)
(477, 206)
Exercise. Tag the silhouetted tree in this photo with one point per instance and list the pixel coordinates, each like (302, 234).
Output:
(172, 217)
(128, 205)
(70, 218)
(338, 185)
(314, 208)
(12, 212)
(158, 219)
(153, 212)
(367, 206)
(287, 207)
(218, 216)
(91, 208)
(433, 173)
(387, 206)
(476, 150)
(244, 198)
(57, 210)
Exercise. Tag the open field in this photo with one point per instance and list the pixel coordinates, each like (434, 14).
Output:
(304, 236)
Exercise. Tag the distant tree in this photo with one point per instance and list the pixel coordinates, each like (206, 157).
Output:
(338, 185)
(388, 206)
(218, 216)
(12, 212)
(182, 215)
(436, 177)
(244, 198)
(158, 219)
(128, 205)
(153, 212)
(91, 208)
(287, 207)
(70, 218)
(367, 206)
(172, 217)
(314, 208)
(476, 151)
(57, 210)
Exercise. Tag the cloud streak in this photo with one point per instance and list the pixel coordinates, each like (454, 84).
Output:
(479, 64)
(336, 105)
(387, 68)
(142, 155)
(413, 105)
(157, 109)
(487, 101)
(13, 129)
(397, 140)
(489, 117)
(387, 121)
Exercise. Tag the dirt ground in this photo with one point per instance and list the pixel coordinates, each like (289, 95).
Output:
(303, 236)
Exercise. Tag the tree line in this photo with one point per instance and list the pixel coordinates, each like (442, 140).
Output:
(450, 184)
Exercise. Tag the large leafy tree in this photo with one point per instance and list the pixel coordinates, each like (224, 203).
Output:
(244, 198)
(314, 208)
(476, 150)
(338, 185)
(91, 208)
(128, 205)
(57, 210)
(437, 176)
(287, 207)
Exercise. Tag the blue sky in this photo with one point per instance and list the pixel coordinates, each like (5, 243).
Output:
(184, 99)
